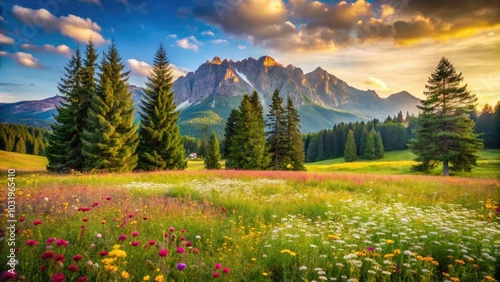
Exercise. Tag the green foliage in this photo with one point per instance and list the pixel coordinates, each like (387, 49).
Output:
(488, 124)
(110, 138)
(295, 144)
(350, 148)
(369, 150)
(445, 134)
(248, 148)
(277, 133)
(160, 146)
(230, 132)
(212, 160)
(379, 146)
(34, 138)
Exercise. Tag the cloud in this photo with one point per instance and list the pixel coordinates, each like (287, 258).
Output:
(220, 41)
(375, 83)
(305, 25)
(2, 19)
(174, 36)
(6, 40)
(189, 43)
(61, 49)
(15, 84)
(142, 68)
(96, 2)
(71, 26)
(140, 7)
(208, 32)
(23, 59)
(242, 47)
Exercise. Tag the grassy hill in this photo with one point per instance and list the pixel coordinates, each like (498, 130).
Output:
(22, 162)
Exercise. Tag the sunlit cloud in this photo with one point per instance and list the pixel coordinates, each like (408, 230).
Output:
(6, 40)
(208, 32)
(142, 68)
(23, 59)
(71, 26)
(220, 41)
(189, 43)
(61, 49)
(374, 83)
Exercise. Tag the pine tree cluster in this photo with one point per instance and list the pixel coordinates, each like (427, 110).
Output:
(95, 129)
(23, 139)
(248, 146)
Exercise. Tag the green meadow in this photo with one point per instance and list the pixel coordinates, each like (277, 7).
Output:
(361, 221)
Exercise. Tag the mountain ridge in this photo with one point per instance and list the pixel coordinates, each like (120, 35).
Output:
(206, 96)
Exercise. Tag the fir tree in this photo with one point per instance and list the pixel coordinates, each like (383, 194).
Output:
(20, 146)
(212, 160)
(350, 148)
(379, 146)
(229, 132)
(445, 134)
(110, 137)
(62, 154)
(369, 152)
(277, 133)
(295, 142)
(248, 146)
(160, 146)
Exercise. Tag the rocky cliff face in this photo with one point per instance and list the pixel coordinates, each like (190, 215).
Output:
(219, 78)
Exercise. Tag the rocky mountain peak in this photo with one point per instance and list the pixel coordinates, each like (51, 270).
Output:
(215, 61)
(268, 61)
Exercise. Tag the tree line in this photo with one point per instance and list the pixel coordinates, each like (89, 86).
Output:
(23, 139)
(371, 139)
(488, 125)
(95, 128)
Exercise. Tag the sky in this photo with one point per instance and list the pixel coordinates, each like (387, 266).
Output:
(386, 45)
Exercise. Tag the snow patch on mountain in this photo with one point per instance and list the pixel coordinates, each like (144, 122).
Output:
(183, 105)
(243, 76)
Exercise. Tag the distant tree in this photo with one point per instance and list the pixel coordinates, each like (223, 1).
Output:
(62, 153)
(312, 149)
(229, 132)
(160, 146)
(212, 160)
(20, 146)
(110, 137)
(369, 153)
(277, 133)
(379, 146)
(294, 140)
(488, 125)
(445, 134)
(350, 148)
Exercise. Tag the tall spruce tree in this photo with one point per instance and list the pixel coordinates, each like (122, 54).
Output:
(350, 148)
(160, 146)
(445, 134)
(248, 146)
(369, 147)
(379, 146)
(212, 160)
(277, 133)
(294, 141)
(110, 137)
(62, 152)
(229, 132)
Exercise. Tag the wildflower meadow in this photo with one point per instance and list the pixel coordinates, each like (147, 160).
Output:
(254, 226)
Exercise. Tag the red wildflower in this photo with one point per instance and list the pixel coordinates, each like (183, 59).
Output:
(189, 244)
(103, 253)
(171, 229)
(85, 219)
(22, 219)
(59, 258)
(31, 242)
(42, 268)
(122, 237)
(47, 255)
(226, 270)
(130, 215)
(135, 233)
(224, 209)
(95, 205)
(182, 239)
(77, 257)
(134, 243)
(37, 222)
(108, 198)
(196, 250)
(180, 250)
(83, 209)
(166, 235)
(163, 253)
(218, 266)
(50, 240)
(58, 277)
(61, 242)
(182, 230)
(215, 274)
(73, 268)
(8, 275)
(82, 279)
(152, 242)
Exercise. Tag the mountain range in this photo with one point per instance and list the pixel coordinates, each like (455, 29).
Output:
(206, 96)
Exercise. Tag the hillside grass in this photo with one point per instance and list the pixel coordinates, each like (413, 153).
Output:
(22, 162)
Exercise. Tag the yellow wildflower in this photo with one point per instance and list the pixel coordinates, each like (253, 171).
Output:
(146, 278)
(334, 237)
(125, 275)
(117, 254)
(159, 278)
(389, 241)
